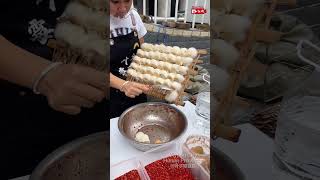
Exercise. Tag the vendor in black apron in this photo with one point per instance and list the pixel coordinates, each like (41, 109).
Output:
(126, 35)
(72, 99)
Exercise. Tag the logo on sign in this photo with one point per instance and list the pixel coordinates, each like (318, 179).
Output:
(198, 10)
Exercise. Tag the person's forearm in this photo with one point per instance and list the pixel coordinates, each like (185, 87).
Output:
(116, 82)
(19, 66)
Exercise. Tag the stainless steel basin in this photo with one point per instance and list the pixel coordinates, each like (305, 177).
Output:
(83, 159)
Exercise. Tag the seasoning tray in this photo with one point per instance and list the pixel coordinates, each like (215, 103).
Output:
(164, 151)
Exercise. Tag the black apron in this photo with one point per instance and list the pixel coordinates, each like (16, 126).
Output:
(31, 128)
(122, 50)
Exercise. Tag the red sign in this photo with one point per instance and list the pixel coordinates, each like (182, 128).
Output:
(198, 10)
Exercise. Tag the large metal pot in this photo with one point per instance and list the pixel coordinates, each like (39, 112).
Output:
(83, 159)
(224, 167)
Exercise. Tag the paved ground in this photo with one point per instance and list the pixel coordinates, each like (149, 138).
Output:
(307, 10)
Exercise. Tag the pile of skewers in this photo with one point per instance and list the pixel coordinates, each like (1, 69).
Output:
(165, 68)
(237, 26)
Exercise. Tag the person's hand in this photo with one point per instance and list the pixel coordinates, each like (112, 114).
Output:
(133, 89)
(70, 87)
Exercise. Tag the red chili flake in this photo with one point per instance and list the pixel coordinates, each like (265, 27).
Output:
(131, 175)
(157, 171)
(172, 167)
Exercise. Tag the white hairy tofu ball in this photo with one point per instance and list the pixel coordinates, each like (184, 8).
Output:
(154, 63)
(157, 72)
(138, 68)
(147, 54)
(172, 96)
(167, 66)
(162, 48)
(225, 53)
(149, 62)
(161, 56)
(153, 48)
(149, 69)
(144, 69)
(153, 79)
(233, 27)
(132, 72)
(160, 81)
(172, 76)
(140, 53)
(178, 59)
(168, 49)
(171, 49)
(139, 76)
(175, 67)
(156, 47)
(146, 77)
(152, 55)
(157, 55)
(165, 57)
(165, 50)
(161, 64)
(142, 60)
(134, 65)
(183, 51)
(187, 61)
(177, 86)
(183, 70)
(141, 137)
(163, 74)
(171, 58)
(192, 52)
(145, 46)
(166, 74)
(167, 82)
(145, 61)
(179, 78)
(176, 50)
(137, 59)
(150, 79)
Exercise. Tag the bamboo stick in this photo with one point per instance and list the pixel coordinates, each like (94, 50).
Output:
(247, 51)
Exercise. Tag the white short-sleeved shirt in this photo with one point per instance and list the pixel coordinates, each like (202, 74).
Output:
(124, 26)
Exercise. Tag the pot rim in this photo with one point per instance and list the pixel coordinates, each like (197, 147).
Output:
(62, 151)
(152, 103)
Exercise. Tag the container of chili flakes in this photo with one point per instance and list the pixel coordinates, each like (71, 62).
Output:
(127, 170)
(170, 161)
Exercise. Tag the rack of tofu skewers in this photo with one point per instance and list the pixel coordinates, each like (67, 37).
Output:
(81, 34)
(166, 69)
(237, 26)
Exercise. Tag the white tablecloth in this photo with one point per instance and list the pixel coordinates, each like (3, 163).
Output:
(252, 154)
(121, 150)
